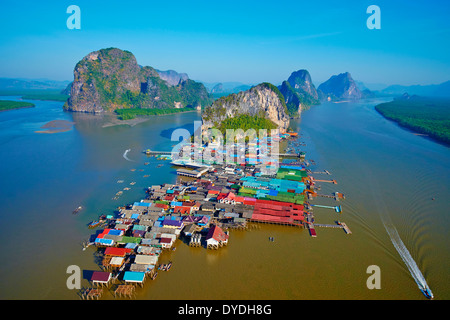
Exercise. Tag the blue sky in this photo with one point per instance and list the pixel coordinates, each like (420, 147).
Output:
(245, 41)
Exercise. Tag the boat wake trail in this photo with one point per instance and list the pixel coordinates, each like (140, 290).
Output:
(408, 260)
(125, 155)
(400, 247)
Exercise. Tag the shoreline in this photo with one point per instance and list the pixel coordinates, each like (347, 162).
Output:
(132, 122)
(17, 108)
(417, 131)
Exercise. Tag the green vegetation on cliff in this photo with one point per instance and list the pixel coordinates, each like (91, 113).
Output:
(246, 122)
(423, 115)
(111, 79)
(292, 97)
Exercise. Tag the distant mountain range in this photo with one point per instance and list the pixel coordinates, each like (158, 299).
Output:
(11, 84)
(222, 88)
(434, 90)
(100, 84)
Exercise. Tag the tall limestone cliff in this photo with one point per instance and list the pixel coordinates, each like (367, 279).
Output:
(111, 79)
(263, 101)
(340, 87)
(299, 92)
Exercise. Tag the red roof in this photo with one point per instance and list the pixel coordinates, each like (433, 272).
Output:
(271, 218)
(117, 252)
(162, 205)
(179, 209)
(188, 204)
(165, 240)
(217, 234)
(272, 202)
(100, 276)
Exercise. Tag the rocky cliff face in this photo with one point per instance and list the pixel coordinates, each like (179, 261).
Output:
(299, 92)
(292, 99)
(218, 88)
(301, 82)
(110, 79)
(172, 77)
(263, 100)
(340, 87)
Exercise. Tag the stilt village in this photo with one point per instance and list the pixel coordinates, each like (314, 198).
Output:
(207, 202)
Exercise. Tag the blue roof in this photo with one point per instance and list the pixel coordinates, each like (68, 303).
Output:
(135, 216)
(142, 204)
(108, 242)
(132, 276)
(157, 224)
(115, 232)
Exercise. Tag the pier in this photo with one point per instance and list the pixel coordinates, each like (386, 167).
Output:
(346, 228)
(328, 181)
(338, 225)
(338, 209)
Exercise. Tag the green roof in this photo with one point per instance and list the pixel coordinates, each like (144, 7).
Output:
(126, 239)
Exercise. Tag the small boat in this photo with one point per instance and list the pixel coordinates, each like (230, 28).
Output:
(427, 292)
(169, 266)
(94, 224)
(159, 165)
(77, 210)
(162, 267)
(154, 275)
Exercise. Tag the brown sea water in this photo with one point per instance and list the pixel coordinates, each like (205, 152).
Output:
(383, 170)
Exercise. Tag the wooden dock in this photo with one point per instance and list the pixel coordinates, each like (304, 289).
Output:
(338, 225)
(151, 152)
(329, 225)
(346, 228)
(329, 181)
